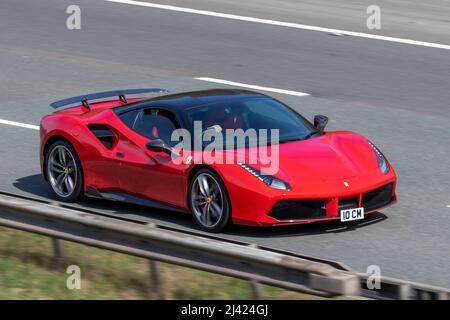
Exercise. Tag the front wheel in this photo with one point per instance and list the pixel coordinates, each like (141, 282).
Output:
(64, 172)
(209, 201)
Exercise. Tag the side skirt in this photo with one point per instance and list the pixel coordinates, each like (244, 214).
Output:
(128, 198)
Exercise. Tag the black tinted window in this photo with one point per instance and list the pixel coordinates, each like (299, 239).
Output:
(129, 118)
(156, 124)
(256, 114)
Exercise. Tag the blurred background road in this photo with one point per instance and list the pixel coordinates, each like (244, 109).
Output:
(396, 94)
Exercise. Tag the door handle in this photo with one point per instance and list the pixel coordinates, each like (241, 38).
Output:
(120, 154)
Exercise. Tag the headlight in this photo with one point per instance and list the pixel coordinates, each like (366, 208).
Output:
(268, 179)
(382, 162)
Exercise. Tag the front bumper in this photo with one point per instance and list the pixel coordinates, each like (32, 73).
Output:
(288, 211)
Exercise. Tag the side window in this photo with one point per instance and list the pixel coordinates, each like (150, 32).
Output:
(129, 118)
(156, 124)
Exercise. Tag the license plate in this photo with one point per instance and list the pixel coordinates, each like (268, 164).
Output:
(352, 214)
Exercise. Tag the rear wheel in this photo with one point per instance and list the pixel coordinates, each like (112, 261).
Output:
(209, 201)
(64, 172)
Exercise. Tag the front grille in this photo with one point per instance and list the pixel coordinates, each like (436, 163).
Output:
(348, 203)
(298, 209)
(378, 198)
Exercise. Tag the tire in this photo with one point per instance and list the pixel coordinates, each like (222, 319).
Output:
(210, 205)
(64, 173)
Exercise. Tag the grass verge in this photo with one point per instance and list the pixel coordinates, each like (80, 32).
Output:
(28, 271)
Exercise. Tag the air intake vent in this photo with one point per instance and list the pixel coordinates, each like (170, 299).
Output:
(298, 209)
(104, 134)
(378, 198)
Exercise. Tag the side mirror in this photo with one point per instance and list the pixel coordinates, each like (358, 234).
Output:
(320, 122)
(159, 145)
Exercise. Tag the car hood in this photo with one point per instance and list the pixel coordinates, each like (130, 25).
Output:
(334, 156)
(324, 158)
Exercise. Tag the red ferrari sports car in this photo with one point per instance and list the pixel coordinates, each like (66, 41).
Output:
(123, 149)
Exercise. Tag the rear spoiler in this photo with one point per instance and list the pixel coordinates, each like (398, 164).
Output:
(84, 99)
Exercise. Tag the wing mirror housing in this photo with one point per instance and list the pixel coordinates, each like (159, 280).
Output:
(159, 145)
(320, 122)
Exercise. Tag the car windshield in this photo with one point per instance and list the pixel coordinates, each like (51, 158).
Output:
(251, 115)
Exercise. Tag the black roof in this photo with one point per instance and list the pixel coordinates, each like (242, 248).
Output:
(179, 101)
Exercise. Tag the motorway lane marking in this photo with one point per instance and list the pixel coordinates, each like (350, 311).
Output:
(283, 24)
(221, 81)
(251, 86)
(19, 124)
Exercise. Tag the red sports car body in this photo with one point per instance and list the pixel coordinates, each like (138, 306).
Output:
(117, 150)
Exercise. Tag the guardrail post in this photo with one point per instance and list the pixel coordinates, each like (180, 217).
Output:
(58, 256)
(404, 292)
(443, 296)
(255, 285)
(256, 290)
(156, 287)
(344, 284)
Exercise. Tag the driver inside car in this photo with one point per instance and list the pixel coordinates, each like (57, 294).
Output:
(222, 118)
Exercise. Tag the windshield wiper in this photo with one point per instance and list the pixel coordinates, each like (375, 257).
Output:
(290, 140)
(309, 135)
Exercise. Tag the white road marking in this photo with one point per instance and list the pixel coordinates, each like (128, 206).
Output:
(19, 124)
(226, 82)
(250, 86)
(283, 24)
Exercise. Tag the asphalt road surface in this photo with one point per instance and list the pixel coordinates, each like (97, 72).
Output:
(396, 94)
